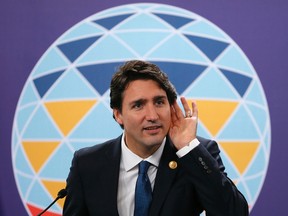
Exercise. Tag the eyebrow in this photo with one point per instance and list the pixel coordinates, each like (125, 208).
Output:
(141, 100)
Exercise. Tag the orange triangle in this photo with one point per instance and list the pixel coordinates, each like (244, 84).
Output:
(241, 153)
(38, 152)
(214, 114)
(53, 188)
(67, 114)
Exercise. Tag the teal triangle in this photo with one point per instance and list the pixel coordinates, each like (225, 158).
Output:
(41, 127)
(98, 124)
(21, 163)
(56, 160)
(256, 94)
(254, 184)
(105, 49)
(212, 85)
(234, 59)
(111, 21)
(28, 95)
(71, 86)
(258, 165)
(23, 115)
(38, 195)
(175, 20)
(52, 60)
(145, 21)
(177, 48)
(142, 42)
(204, 28)
(83, 30)
(260, 116)
(24, 183)
(240, 127)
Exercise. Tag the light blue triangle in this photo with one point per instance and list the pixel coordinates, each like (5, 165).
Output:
(254, 185)
(212, 85)
(40, 197)
(15, 138)
(22, 164)
(108, 48)
(204, 28)
(113, 12)
(202, 131)
(82, 30)
(41, 127)
(23, 115)
(99, 124)
(177, 48)
(243, 190)
(142, 42)
(28, 95)
(56, 167)
(258, 165)
(229, 168)
(240, 127)
(84, 143)
(260, 116)
(255, 94)
(24, 183)
(71, 86)
(51, 60)
(173, 10)
(143, 21)
(234, 59)
(267, 141)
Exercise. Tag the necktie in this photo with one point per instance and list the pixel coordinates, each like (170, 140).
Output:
(143, 191)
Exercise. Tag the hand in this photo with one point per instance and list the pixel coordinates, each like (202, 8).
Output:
(183, 126)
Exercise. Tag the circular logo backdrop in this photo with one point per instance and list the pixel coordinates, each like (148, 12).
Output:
(64, 105)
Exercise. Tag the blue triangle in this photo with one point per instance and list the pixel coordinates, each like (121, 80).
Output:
(24, 183)
(111, 21)
(181, 74)
(21, 163)
(258, 165)
(260, 116)
(85, 143)
(211, 48)
(71, 85)
(229, 166)
(44, 83)
(99, 75)
(29, 95)
(23, 115)
(256, 94)
(56, 167)
(254, 185)
(72, 50)
(41, 127)
(239, 81)
(175, 21)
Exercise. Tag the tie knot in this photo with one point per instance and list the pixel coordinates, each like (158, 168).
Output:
(143, 167)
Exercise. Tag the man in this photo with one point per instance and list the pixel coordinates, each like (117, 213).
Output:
(186, 174)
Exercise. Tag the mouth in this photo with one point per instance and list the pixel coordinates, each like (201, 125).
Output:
(152, 129)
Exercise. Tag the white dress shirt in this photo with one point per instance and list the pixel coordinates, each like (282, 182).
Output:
(129, 173)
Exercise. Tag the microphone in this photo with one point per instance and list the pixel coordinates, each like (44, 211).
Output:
(61, 194)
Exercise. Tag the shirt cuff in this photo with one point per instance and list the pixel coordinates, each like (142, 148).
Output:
(186, 149)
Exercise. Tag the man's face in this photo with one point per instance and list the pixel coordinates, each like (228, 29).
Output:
(146, 116)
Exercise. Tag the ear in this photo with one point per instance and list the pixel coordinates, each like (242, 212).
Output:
(118, 116)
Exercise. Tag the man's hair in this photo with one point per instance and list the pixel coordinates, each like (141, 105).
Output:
(138, 70)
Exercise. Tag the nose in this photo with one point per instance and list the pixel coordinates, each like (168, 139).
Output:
(151, 113)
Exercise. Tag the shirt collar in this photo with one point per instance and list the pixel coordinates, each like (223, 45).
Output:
(130, 160)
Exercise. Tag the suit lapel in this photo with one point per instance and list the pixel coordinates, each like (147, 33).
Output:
(164, 178)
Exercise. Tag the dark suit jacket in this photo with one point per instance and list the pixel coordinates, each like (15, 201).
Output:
(198, 183)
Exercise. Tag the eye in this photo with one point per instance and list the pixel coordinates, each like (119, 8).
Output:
(160, 102)
(137, 105)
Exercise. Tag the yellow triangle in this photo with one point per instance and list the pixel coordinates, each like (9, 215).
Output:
(67, 114)
(53, 188)
(38, 152)
(214, 114)
(241, 153)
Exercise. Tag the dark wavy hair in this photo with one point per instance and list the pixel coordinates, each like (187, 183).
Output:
(138, 70)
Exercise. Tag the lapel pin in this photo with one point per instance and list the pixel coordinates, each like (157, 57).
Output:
(173, 164)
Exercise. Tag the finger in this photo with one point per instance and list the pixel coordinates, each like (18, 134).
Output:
(177, 110)
(173, 114)
(194, 109)
(186, 107)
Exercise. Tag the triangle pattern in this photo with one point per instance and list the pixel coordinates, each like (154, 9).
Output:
(255, 94)
(24, 182)
(29, 95)
(260, 116)
(71, 85)
(258, 164)
(99, 75)
(22, 164)
(184, 51)
(52, 60)
(211, 48)
(105, 49)
(214, 114)
(241, 153)
(67, 114)
(175, 21)
(177, 71)
(38, 152)
(41, 127)
(212, 85)
(72, 50)
(23, 115)
(141, 41)
(44, 83)
(239, 81)
(35, 210)
(254, 186)
(53, 188)
(230, 168)
(240, 127)
(111, 21)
